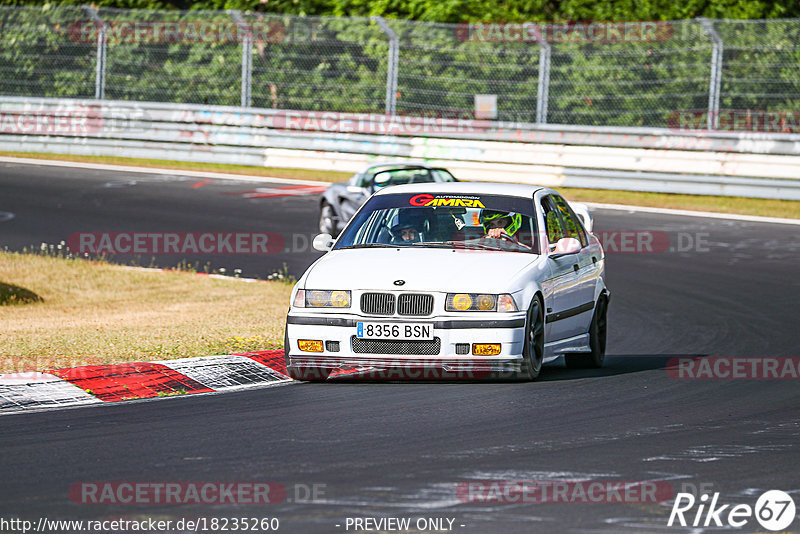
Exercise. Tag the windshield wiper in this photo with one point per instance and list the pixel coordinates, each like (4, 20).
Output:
(483, 246)
(514, 247)
(435, 244)
(369, 245)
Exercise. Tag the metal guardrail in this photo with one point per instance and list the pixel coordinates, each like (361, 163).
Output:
(659, 160)
(595, 73)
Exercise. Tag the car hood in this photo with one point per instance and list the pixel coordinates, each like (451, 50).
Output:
(421, 269)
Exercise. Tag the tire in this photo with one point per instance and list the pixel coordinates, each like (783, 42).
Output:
(327, 219)
(533, 344)
(597, 341)
(307, 374)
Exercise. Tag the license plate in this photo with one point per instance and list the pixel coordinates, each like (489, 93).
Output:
(398, 331)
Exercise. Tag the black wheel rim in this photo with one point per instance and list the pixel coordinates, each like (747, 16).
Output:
(536, 337)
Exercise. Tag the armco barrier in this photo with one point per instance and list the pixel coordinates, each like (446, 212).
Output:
(645, 159)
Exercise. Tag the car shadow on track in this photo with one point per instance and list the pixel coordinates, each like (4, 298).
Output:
(616, 364)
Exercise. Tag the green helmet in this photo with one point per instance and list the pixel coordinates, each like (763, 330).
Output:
(511, 227)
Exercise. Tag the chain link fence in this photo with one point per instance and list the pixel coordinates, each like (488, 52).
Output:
(599, 74)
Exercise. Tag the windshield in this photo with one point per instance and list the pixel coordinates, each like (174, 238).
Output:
(463, 221)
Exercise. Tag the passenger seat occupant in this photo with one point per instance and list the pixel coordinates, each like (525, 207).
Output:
(497, 223)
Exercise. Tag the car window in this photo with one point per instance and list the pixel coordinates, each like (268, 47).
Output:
(552, 221)
(402, 176)
(571, 224)
(443, 176)
(429, 220)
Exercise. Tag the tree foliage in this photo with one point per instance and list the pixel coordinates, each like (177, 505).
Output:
(472, 10)
(341, 64)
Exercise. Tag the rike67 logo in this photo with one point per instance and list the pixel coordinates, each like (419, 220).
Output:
(774, 510)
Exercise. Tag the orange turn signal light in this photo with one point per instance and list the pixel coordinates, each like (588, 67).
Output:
(486, 349)
(309, 345)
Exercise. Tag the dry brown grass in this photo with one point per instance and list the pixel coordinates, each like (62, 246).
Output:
(93, 313)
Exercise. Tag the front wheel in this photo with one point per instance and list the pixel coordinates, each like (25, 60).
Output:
(533, 348)
(327, 219)
(597, 341)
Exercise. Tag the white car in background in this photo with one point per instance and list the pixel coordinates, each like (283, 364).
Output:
(464, 278)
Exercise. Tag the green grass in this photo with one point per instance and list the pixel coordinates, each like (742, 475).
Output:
(251, 170)
(737, 205)
(90, 313)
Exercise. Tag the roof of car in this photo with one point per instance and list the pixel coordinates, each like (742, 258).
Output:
(398, 164)
(475, 188)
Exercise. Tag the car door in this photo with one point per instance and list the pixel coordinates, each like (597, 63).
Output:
(563, 276)
(577, 309)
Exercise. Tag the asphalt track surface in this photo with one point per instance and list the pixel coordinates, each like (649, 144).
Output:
(402, 449)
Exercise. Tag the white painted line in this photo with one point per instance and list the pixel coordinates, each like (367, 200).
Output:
(689, 213)
(148, 170)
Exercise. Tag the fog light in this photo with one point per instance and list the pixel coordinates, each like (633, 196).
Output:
(486, 349)
(309, 345)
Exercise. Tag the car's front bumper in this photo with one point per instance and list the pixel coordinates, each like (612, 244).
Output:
(413, 360)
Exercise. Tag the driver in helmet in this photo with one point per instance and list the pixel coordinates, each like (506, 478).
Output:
(500, 223)
(406, 229)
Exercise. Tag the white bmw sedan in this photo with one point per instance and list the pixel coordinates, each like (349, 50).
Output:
(452, 280)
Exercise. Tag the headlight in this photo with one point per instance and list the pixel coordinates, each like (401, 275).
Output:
(318, 298)
(480, 302)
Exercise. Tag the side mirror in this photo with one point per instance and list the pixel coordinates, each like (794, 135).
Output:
(355, 189)
(565, 247)
(381, 180)
(323, 242)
